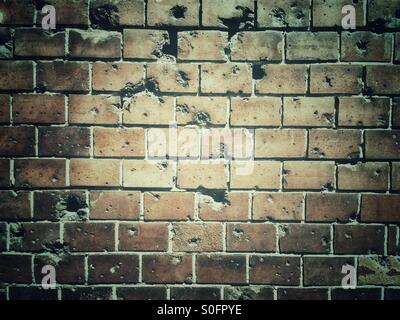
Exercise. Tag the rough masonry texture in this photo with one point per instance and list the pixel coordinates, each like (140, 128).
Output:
(81, 105)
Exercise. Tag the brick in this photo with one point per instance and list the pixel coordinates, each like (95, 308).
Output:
(255, 175)
(282, 270)
(148, 174)
(383, 13)
(325, 271)
(197, 237)
(143, 237)
(116, 76)
(303, 238)
(168, 205)
(93, 172)
(70, 13)
(331, 207)
(39, 43)
(60, 205)
(15, 205)
(360, 112)
(380, 208)
(149, 110)
(121, 205)
(359, 239)
(302, 294)
(328, 13)
(221, 206)
(7, 44)
(17, 141)
(331, 78)
(162, 268)
(382, 144)
(363, 176)
(86, 293)
(3, 236)
(396, 113)
(94, 44)
(195, 293)
(5, 103)
(114, 268)
(111, 142)
(383, 79)
(312, 46)
(222, 13)
(277, 206)
(397, 47)
(64, 142)
(378, 270)
(256, 111)
(31, 293)
(152, 43)
(63, 76)
(362, 294)
(308, 175)
(366, 46)
(16, 75)
(393, 244)
(282, 79)
(334, 144)
(392, 294)
(309, 111)
(40, 173)
(173, 13)
(15, 268)
(226, 78)
(201, 110)
(256, 46)
(174, 77)
(17, 12)
(202, 45)
(39, 108)
(4, 172)
(142, 293)
(222, 269)
(248, 293)
(99, 109)
(90, 236)
(396, 176)
(280, 143)
(120, 13)
(278, 14)
(195, 174)
(244, 237)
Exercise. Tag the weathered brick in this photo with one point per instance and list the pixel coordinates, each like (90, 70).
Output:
(40, 173)
(90, 236)
(173, 12)
(359, 239)
(396, 176)
(282, 79)
(142, 293)
(278, 206)
(277, 270)
(86, 293)
(255, 175)
(15, 205)
(17, 12)
(31, 293)
(93, 172)
(383, 13)
(379, 270)
(383, 79)
(222, 13)
(362, 294)
(302, 294)
(69, 13)
(332, 78)
(328, 13)
(94, 44)
(4, 172)
(152, 43)
(309, 111)
(148, 174)
(162, 268)
(5, 103)
(16, 75)
(197, 237)
(15, 268)
(382, 144)
(278, 14)
(195, 293)
(202, 45)
(248, 293)
(221, 269)
(39, 43)
(380, 208)
(207, 174)
(314, 46)
(168, 205)
(221, 206)
(308, 175)
(149, 110)
(143, 237)
(17, 141)
(244, 237)
(123, 205)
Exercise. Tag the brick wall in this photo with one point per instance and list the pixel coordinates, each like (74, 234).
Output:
(80, 106)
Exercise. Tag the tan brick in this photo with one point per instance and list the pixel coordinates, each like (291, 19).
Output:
(168, 205)
(258, 45)
(226, 78)
(255, 175)
(382, 144)
(278, 206)
(197, 237)
(207, 174)
(309, 111)
(232, 206)
(246, 237)
(151, 43)
(148, 174)
(279, 14)
(308, 175)
(396, 176)
(173, 12)
(123, 12)
(16, 75)
(360, 112)
(92, 172)
(277, 78)
(336, 79)
(124, 205)
(319, 46)
(216, 13)
(202, 45)
(149, 110)
(256, 111)
(280, 143)
(39, 42)
(328, 13)
(174, 77)
(5, 104)
(383, 79)
(143, 237)
(363, 176)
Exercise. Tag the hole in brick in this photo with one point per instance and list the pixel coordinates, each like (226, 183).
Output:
(242, 22)
(219, 196)
(182, 78)
(178, 12)
(258, 71)
(362, 45)
(105, 16)
(183, 108)
(280, 15)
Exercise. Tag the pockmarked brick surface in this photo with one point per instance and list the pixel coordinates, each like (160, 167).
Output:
(200, 149)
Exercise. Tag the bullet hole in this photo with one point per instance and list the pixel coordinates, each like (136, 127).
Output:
(258, 71)
(183, 108)
(362, 45)
(130, 89)
(328, 117)
(237, 233)
(71, 208)
(219, 196)
(132, 232)
(194, 241)
(318, 152)
(227, 51)
(41, 87)
(202, 118)
(328, 81)
(56, 248)
(178, 12)
(244, 21)
(280, 15)
(328, 186)
(367, 91)
(163, 166)
(182, 78)
(105, 16)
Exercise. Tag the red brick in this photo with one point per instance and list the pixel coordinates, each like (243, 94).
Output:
(93, 172)
(5, 103)
(39, 43)
(15, 205)
(382, 144)
(248, 293)
(86, 293)
(195, 293)
(94, 44)
(255, 175)
(221, 269)
(17, 141)
(152, 43)
(148, 174)
(278, 206)
(232, 206)
(143, 237)
(4, 172)
(111, 205)
(15, 268)
(195, 174)
(359, 239)
(245, 237)
(380, 208)
(362, 294)
(17, 12)
(31, 293)
(16, 75)
(142, 293)
(302, 294)
(168, 205)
